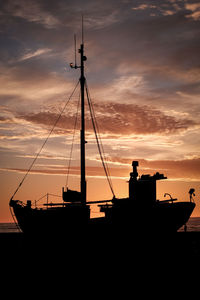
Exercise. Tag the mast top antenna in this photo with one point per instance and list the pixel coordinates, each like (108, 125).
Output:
(82, 29)
(81, 50)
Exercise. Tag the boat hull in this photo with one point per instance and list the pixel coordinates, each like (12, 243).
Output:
(50, 221)
(162, 217)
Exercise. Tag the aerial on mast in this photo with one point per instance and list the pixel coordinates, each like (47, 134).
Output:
(82, 31)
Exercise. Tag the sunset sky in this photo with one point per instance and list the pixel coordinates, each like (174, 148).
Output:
(143, 73)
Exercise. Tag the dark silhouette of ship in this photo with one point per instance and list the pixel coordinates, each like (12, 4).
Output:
(139, 211)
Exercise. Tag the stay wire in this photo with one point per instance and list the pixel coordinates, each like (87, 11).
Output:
(72, 146)
(37, 155)
(99, 142)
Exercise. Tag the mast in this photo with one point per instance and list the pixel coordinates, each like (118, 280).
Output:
(82, 133)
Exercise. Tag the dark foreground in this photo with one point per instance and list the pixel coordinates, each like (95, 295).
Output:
(178, 244)
(99, 260)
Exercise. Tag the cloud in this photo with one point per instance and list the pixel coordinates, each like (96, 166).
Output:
(31, 83)
(135, 119)
(74, 171)
(143, 7)
(31, 11)
(62, 14)
(121, 119)
(48, 119)
(157, 8)
(36, 53)
(194, 9)
(188, 169)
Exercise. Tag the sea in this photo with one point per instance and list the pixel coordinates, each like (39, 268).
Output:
(193, 225)
(9, 228)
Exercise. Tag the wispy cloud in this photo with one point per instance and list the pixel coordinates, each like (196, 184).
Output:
(31, 11)
(181, 169)
(35, 53)
(144, 6)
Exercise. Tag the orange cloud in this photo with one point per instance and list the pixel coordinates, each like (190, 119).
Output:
(115, 118)
(184, 169)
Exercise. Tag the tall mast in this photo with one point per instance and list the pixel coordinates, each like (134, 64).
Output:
(82, 83)
(82, 132)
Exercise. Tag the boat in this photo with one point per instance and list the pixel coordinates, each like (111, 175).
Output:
(139, 211)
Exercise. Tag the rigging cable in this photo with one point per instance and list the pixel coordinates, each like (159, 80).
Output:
(70, 157)
(99, 142)
(52, 129)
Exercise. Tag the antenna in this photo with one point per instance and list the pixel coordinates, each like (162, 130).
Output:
(82, 30)
(75, 49)
(74, 65)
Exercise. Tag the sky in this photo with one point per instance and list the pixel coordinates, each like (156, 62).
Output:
(142, 69)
